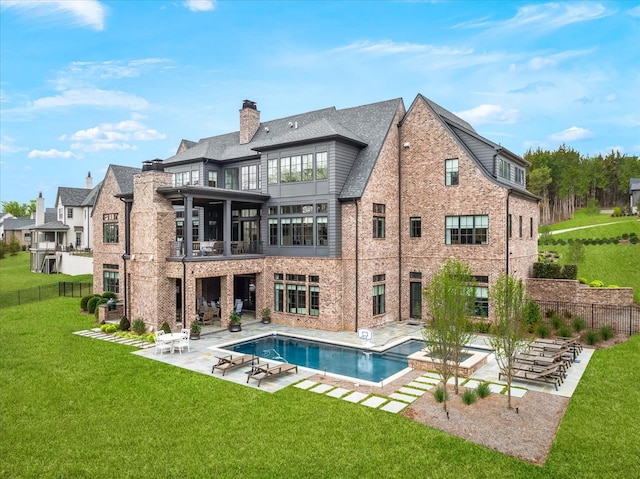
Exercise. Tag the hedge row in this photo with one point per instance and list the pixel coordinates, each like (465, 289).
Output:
(543, 269)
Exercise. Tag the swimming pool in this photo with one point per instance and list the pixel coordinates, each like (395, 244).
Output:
(362, 364)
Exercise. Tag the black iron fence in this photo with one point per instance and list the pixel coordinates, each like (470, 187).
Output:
(40, 293)
(622, 319)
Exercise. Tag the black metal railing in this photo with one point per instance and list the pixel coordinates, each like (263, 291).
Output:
(622, 319)
(41, 293)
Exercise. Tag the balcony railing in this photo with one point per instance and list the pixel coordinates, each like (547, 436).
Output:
(216, 248)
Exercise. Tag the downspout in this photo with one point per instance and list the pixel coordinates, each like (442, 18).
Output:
(184, 295)
(400, 226)
(507, 232)
(127, 253)
(355, 202)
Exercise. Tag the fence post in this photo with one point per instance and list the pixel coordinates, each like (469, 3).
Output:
(630, 320)
(592, 313)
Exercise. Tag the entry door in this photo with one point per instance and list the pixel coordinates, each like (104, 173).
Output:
(415, 300)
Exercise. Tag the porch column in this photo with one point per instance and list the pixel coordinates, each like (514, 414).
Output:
(188, 227)
(227, 227)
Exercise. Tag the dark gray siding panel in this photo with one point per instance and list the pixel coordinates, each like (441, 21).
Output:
(340, 164)
(480, 150)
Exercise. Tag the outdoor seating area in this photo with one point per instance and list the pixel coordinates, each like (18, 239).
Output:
(170, 342)
(229, 362)
(546, 361)
(259, 372)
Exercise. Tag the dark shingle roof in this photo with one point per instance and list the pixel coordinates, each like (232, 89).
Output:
(90, 199)
(124, 177)
(15, 224)
(52, 226)
(72, 196)
(634, 184)
(50, 214)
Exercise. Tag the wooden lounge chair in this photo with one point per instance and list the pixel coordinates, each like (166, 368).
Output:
(229, 362)
(265, 371)
(544, 375)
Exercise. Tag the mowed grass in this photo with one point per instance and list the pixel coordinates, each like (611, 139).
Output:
(71, 406)
(15, 274)
(582, 218)
(613, 264)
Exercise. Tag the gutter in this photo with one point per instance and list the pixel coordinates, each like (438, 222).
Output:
(355, 202)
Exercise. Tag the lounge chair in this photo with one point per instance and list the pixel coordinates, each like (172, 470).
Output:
(229, 362)
(546, 375)
(265, 371)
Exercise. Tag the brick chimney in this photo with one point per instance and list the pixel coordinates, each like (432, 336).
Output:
(88, 181)
(249, 121)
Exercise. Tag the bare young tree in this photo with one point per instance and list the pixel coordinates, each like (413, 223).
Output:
(450, 298)
(508, 301)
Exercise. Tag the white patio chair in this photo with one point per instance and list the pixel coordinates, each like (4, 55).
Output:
(183, 342)
(238, 307)
(161, 345)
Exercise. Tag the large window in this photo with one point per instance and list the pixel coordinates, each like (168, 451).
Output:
(520, 176)
(272, 171)
(314, 300)
(307, 167)
(303, 229)
(291, 169)
(321, 166)
(231, 181)
(378, 220)
(109, 232)
(378, 299)
(273, 232)
(504, 169)
(298, 289)
(249, 176)
(297, 298)
(415, 227)
(186, 178)
(278, 297)
(467, 229)
(451, 172)
(110, 278)
(213, 178)
(322, 232)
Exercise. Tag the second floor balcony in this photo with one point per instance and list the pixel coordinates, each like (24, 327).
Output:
(217, 249)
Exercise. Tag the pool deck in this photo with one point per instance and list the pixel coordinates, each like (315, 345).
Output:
(204, 351)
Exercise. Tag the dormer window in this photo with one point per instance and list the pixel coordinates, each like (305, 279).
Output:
(504, 169)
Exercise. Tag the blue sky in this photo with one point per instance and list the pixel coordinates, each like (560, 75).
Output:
(87, 83)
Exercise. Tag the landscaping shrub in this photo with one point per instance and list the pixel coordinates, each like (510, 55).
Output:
(469, 397)
(482, 390)
(578, 324)
(531, 314)
(108, 295)
(165, 327)
(124, 324)
(634, 240)
(570, 271)
(582, 280)
(625, 236)
(596, 284)
(440, 394)
(542, 330)
(482, 327)
(92, 303)
(139, 327)
(85, 300)
(556, 322)
(591, 337)
(617, 211)
(564, 331)
(110, 328)
(613, 286)
(606, 332)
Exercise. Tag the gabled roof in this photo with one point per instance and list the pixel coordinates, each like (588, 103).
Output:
(50, 214)
(90, 199)
(634, 184)
(15, 224)
(51, 226)
(72, 196)
(124, 177)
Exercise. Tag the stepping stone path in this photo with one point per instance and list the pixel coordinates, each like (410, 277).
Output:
(97, 334)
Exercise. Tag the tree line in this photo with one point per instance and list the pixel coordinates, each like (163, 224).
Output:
(565, 180)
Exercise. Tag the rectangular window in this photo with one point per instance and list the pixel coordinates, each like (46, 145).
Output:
(322, 231)
(272, 171)
(378, 299)
(451, 172)
(520, 226)
(467, 229)
(109, 232)
(520, 178)
(273, 210)
(321, 208)
(504, 169)
(195, 177)
(481, 304)
(307, 167)
(110, 217)
(273, 232)
(415, 275)
(213, 179)
(314, 278)
(530, 227)
(297, 298)
(70, 213)
(314, 300)
(378, 220)
(291, 169)
(231, 181)
(278, 276)
(285, 232)
(249, 177)
(510, 225)
(378, 278)
(278, 297)
(321, 166)
(301, 278)
(110, 281)
(415, 227)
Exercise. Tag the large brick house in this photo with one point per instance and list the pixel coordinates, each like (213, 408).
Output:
(333, 219)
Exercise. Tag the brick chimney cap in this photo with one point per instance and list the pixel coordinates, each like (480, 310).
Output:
(249, 104)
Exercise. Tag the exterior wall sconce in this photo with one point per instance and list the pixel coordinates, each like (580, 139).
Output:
(406, 144)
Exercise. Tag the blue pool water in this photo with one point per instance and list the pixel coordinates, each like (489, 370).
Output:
(346, 361)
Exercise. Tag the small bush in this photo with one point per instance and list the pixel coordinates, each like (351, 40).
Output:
(569, 271)
(92, 303)
(596, 283)
(139, 327)
(634, 240)
(613, 286)
(617, 211)
(564, 331)
(606, 332)
(110, 328)
(591, 337)
(440, 394)
(582, 280)
(531, 312)
(578, 324)
(108, 295)
(483, 390)
(124, 324)
(556, 322)
(542, 330)
(165, 327)
(469, 397)
(85, 300)
(482, 327)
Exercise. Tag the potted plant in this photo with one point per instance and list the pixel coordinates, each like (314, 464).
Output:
(195, 328)
(234, 322)
(266, 316)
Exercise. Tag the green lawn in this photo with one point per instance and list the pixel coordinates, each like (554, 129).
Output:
(71, 406)
(15, 274)
(582, 218)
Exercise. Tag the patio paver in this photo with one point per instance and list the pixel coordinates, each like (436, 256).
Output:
(394, 406)
(374, 401)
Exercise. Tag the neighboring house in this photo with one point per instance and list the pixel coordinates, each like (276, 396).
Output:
(74, 207)
(634, 194)
(4, 216)
(18, 228)
(333, 219)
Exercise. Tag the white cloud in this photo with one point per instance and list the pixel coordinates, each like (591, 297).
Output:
(573, 133)
(388, 47)
(549, 61)
(611, 97)
(50, 154)
(489, 114)
(7, 145)
(112, 136)
(91, 97)
(200, 5)
(86, 13)
(634, 12)
(88, 74)
(534, 87)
